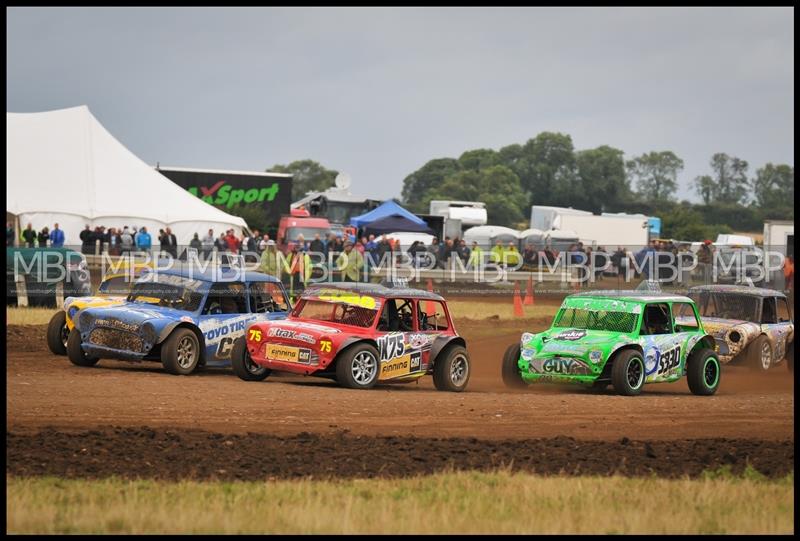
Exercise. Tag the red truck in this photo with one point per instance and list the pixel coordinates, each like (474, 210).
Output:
(299, 222)
(359, 334)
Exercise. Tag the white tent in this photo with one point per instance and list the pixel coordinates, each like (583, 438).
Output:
(64, 167)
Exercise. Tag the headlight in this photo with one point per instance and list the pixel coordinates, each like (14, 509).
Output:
(85, 321)
(149, 333)
(72, 311)
(734, 336)
(527, 354)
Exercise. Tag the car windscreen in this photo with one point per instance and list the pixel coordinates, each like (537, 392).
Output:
(596, 320)
(308, 233)
(727, 305)
(169, 291)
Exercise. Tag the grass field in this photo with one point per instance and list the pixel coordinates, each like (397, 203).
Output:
(445, 503)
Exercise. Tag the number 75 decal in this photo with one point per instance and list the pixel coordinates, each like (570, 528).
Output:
(255, 335)
(325, 346)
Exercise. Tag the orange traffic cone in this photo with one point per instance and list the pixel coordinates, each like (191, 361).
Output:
(430, 308)
(517, 302)
(529, 292)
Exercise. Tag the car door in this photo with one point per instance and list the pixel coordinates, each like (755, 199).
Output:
(223, 319)
(686, 325)
(663, 348)
(777, 325)
(395, 337)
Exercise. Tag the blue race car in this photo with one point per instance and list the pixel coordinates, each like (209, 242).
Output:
(186, 318)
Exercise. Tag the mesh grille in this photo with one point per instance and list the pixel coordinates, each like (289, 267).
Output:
(597, 320)
(346, 314)
(111, 338)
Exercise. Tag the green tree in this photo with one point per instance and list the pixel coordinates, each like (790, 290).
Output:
(655, 174)
(773, 188)
(475, 160)
(602, 182)
(309, 176)
(547, 160)
(431, 175)
(730, 178)
(497, 186)
(684, 221)
(705, 188)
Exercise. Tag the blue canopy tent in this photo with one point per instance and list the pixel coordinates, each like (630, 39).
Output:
(389, 208)
(395, 224)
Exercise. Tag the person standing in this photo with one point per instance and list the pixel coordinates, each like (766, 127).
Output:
(316, 245)
(496, 254)
(207, 244)
(232, 242)
(114, 241)
(269, 260)
(262, 242)
(29, 236)
(170, 242)
(143, 240)
(512, 256)
(350, 263)
(10, 234)
(126, 240)
(195, 243)
(43, 237)
(221, 243)
(475, 256)
(57, 237)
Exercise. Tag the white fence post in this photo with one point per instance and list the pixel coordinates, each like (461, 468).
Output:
(22, 291)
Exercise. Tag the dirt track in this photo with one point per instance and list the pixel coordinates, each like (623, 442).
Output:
(47, 391)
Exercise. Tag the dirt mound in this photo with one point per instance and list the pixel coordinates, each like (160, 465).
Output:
(142, 452)
(27, 338)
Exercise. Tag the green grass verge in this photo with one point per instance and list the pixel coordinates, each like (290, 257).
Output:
(464, 502)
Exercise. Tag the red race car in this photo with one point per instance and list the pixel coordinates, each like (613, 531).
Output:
(359, 334)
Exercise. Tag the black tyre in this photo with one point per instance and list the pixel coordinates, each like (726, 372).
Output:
(180, 352)
(451, 369)
(358, 367)
(75, 352)
(759, 354)
(243, 365)
(703, 372)
(510, 370)
(627, 372)
(58, 333)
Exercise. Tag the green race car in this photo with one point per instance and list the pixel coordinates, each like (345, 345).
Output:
(622, 338)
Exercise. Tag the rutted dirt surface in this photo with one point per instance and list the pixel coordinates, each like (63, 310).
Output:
(181, 454)
(301, 426)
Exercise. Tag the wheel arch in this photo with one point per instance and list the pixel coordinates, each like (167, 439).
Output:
(442, 343)
(606, 372)
(169, 329)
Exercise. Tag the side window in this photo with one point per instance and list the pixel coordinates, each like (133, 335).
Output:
(769, 312)
(226, 298)
(431, 316)
(783, 311)
(397, 316)
(656, 320)
(683, 317)
(267, 297)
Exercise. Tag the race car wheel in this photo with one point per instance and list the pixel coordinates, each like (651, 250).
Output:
(75, 352)
(451, 369)
(58, 333)
(627, 372)
(358, 367)
(243, 365)
(180, 353)
(790, 357)
(759, 354)
(703, 372)
(510, 369)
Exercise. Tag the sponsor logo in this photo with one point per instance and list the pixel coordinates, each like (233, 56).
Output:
(116, 324)
(416, 360)
(391, 346)
(595, 356)
(669, 361)
(651, 361)
(291, 335)
(572, 334)
(223, 194)
(418, 341)
(288, 354)
(559, 366)
(347, 297)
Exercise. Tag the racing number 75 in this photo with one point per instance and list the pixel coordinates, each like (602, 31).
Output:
(255, 335)
(325, 346)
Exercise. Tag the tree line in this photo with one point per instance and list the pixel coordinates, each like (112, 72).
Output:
(547, 170)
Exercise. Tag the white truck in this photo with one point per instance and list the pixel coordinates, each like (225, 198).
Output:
(470, 213)
(607, 230)
(778, 237)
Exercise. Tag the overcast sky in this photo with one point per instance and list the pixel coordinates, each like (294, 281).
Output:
(378, 92)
